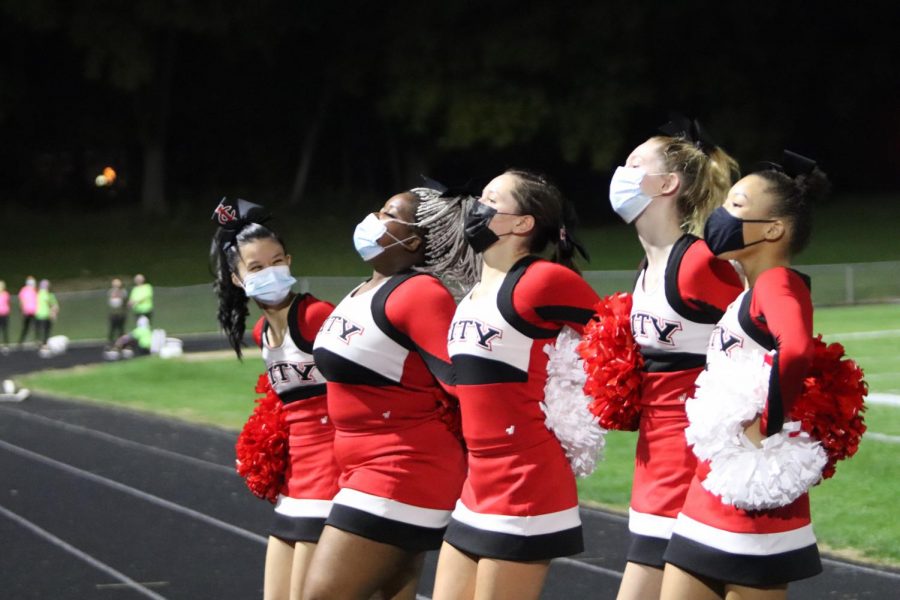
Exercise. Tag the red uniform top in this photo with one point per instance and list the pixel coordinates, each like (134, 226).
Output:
(497, 345)
(291, 369)
(384, 355)
(776, 313)
(672, 323)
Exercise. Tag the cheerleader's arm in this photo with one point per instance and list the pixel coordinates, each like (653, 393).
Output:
(782, 304)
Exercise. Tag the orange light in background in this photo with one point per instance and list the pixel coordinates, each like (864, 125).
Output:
(110, 174)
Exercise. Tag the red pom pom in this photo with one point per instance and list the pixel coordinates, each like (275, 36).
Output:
(262, 446)
(613, 364)
(831, 404)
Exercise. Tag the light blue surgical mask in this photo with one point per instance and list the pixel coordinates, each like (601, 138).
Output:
(270, 285)
(366, 236)
(625, 193)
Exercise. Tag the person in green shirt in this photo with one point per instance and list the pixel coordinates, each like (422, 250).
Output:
(46, 312)
(141, 298)
(135, 342)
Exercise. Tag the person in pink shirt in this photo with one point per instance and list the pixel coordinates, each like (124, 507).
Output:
(28, 305)
(4, 313)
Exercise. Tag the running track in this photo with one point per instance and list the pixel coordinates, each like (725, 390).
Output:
(100, 502)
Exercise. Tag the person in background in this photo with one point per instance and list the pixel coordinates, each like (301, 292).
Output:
(27, 304)
(4, 313)
(46, 311)
(137, 341)
(141, 298)
(116, 299)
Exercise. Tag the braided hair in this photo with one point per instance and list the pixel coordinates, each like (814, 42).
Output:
(447, 255)
(224, 256)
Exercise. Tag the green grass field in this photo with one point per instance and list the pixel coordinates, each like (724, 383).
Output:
(852, 512)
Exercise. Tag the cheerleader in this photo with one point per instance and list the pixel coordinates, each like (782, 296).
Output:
(667, 188)
(251, 262)
(519, 504)
(383, 352)
(718, 550)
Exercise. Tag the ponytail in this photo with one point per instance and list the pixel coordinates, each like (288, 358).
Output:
(797, 184)
(707, 173)
(554, 218)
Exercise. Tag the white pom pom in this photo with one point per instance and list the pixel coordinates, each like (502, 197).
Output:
(784, 468)
(566, 406)
(58, 344)
(731, 391)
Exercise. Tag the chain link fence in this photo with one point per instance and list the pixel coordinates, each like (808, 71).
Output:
(192, 309)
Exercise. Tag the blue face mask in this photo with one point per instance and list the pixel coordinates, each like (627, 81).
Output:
(366, 236)
(269, 286)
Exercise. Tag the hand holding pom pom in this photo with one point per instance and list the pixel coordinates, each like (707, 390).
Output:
(262, 446)
(566, 406)
(831, 404)
(613, 364)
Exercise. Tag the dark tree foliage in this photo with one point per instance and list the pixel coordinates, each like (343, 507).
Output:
(289, 101)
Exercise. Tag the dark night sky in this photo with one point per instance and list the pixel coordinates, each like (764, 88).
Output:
(457, 89)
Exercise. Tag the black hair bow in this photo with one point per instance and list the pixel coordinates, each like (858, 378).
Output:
(792, 164)
(467, 189)
(567, 239)
(691, 130)
(233, 215)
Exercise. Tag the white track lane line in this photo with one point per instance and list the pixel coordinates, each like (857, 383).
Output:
(120, 441)
(134, 492)
(100, 566)
(864, 335)
(881, 437)
(883, 399)
(589, 567)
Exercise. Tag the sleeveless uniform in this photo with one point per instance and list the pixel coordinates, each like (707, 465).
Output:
(384, 355)
(764, 547)
(311, 480)
(519, 501)
(672, 325)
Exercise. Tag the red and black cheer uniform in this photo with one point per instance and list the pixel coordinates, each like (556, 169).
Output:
(384, 354)
(311, 480)
(671, 324)
(519, 501)
(763, 547)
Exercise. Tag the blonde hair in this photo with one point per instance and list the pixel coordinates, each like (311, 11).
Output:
(705, 179)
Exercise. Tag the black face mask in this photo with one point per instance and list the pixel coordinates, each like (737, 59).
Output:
(724, 232)
(477, 232)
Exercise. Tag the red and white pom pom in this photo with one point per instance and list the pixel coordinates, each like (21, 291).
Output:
(566, 406)
(262, 446)
(613, 363)
(831, 404)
